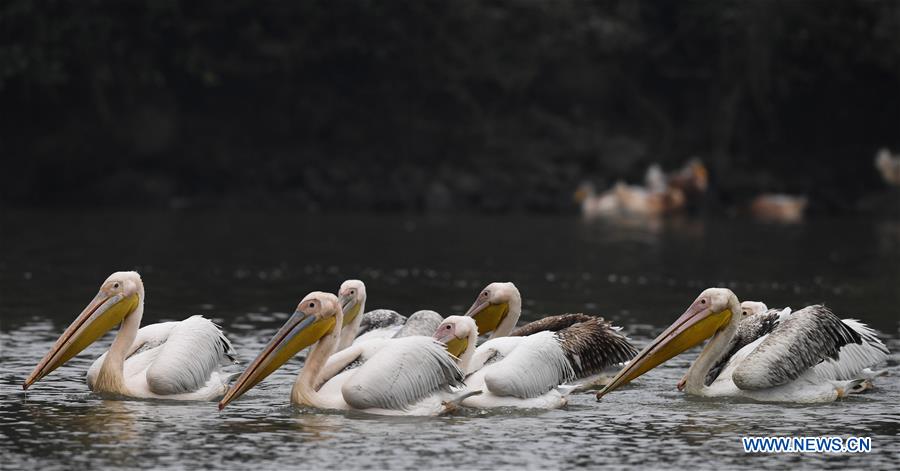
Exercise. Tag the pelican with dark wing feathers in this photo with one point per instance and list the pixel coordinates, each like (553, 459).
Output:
(806, 356)
(525, 367)
(406, 376)
(169, 360)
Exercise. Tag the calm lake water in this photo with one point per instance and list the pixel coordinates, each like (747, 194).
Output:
(247, 271)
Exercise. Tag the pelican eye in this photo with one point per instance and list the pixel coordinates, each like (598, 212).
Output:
(312, 305)
(116, 284)
(447, 326)
(702, 301)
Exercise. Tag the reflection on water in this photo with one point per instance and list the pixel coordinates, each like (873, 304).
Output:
(247, 271)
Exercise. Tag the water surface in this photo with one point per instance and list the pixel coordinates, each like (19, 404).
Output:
(247, 271)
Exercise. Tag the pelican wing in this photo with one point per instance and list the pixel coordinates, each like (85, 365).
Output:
(194, 350)
(853, 358)
(808, 337)
(594, 345)
(749, 330)
(537, 365)
(493, 351)
(401, 373)
(148, 338)
(350, 358)
(551, 323)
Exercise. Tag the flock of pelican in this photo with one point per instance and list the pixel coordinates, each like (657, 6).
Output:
(383, 363)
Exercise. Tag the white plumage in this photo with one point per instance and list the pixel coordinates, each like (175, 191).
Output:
(519, 372)
(806, 356)
(175, 360)
(169, 360)
(402, 373)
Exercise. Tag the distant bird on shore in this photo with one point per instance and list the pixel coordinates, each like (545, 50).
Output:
(889, 166)
(779, 207)
(661, 194)
(692, 179)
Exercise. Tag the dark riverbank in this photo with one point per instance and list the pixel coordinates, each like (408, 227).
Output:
(488, 106)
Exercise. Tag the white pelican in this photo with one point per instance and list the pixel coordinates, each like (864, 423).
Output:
(352, 296)
(499, 306)
(526, 370)
(806, 356)
(360, 326)
(170, 360)
(522, 372)
(408, 376)
(340, 366)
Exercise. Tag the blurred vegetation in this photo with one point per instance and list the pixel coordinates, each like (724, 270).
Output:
(491, 105)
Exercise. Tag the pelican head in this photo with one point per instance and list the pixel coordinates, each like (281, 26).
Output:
(118, 297)
(352, 297)
(749, 308)
(455, 332)
(492, 306)
(709, 313)
(317, 315)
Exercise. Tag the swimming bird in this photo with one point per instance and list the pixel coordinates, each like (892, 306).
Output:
(525, 370)
(779, 207)
(379, 323)
(806, 356)
(169, 360)
(498, 307)
(340, 366)
(408, 376)
(352, 296)
(521, 372)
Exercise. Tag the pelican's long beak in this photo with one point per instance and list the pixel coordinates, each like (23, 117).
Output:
(98, 318)
(488, 316)
(299, 332)
(455, 346)
(692, 328)
(350, 306)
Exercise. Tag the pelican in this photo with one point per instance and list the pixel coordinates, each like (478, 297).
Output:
(410, 376)
(170, 360)
(526, 370)
(807, 356)
(360, 326)
(352, 295)
(341, 366)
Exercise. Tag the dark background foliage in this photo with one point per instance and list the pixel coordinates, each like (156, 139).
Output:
(488, 105)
